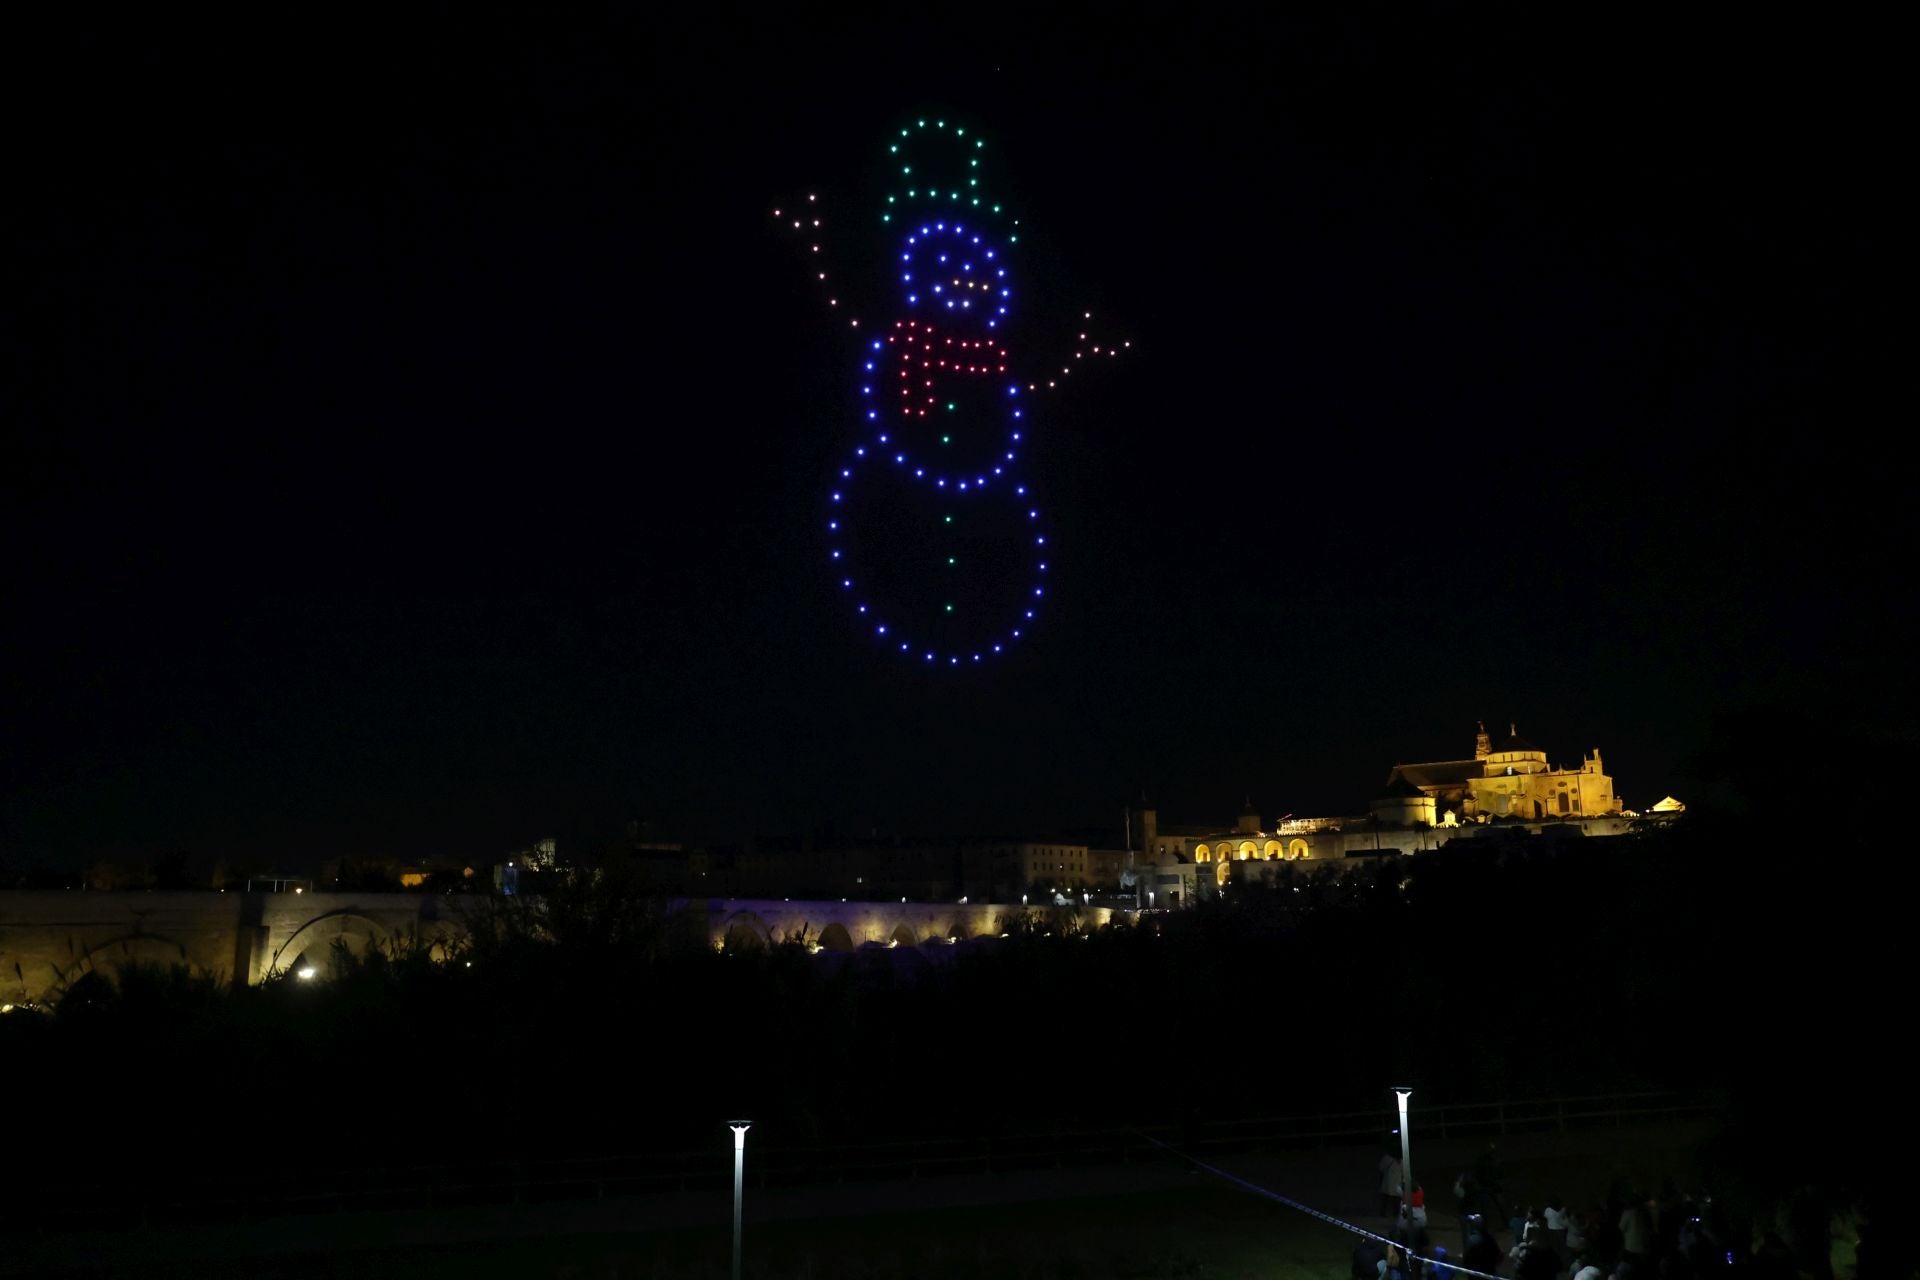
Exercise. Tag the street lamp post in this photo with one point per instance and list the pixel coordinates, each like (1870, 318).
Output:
(739, 1128)
(1406, 1151)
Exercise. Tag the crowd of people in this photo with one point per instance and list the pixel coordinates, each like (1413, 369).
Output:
(1633, 1234)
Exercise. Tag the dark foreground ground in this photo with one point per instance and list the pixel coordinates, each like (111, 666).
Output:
(1145, 1221)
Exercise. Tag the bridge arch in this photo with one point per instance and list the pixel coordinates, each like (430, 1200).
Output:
(836, 938)
(108, 957)
(134, 948)
(903, 935)
(313, 943)
(744, 929)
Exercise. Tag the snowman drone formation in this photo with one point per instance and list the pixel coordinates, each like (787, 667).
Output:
(932, 535)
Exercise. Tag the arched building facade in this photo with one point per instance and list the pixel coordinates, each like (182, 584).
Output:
(1422, 806)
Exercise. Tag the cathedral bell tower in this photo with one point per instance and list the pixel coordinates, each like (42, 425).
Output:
(1482, 744)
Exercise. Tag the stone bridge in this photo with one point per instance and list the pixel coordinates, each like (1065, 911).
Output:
(50, 940)
(846, 926)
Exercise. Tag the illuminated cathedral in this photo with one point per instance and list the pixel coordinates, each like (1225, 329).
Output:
(1422, 806)
(1512, 780)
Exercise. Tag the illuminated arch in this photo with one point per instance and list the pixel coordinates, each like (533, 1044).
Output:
(443, 943)
(1201, 853)
(903, 935)
(109, 957)
(1247, 850)
(1222, 871)
(836, 938)
(744, 929)
(313, 943)
(1274, 850)
(1017, 920)
(1298, 849)
(134, 948)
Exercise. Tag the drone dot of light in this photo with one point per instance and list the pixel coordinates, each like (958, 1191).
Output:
(947, 609)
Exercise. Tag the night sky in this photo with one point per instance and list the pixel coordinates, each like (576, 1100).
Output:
(414, 433)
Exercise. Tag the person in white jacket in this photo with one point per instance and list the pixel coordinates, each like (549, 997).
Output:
(1391, 1185)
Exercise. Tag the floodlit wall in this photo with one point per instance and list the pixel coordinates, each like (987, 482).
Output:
(51, 939)
(861, 923)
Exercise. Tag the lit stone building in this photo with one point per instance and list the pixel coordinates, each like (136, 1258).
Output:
(1512, 780)
(1423, 806)
(1003, 870)
(1246, 840)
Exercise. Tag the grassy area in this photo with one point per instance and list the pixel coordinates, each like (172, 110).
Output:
(1206, 1230)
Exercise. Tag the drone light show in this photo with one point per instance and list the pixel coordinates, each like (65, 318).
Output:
(935, 538)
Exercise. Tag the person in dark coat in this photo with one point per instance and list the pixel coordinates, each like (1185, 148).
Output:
(1483, 1251)
(1467, 1196)
(1486, 1168)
